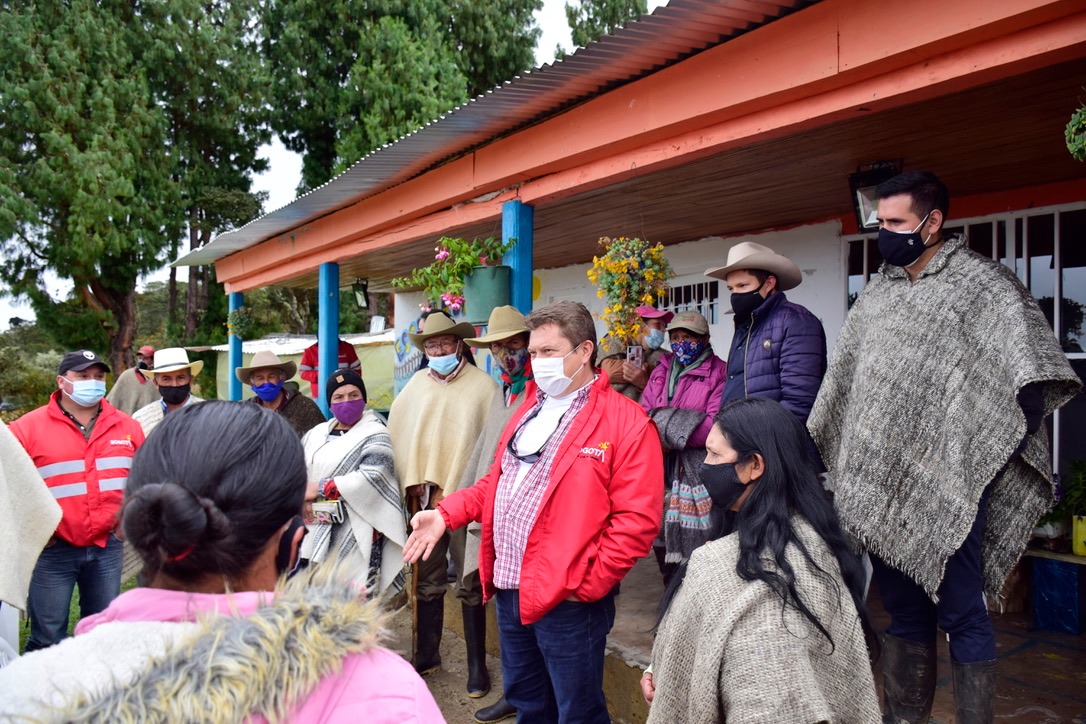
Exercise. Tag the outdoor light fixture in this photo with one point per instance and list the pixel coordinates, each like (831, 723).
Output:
(361, 288)
(862, 184)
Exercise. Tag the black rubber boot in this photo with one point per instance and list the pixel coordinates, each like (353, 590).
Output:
(908, 676)
(974, 692)
(431, 619)
(498, 711)
(475, 636)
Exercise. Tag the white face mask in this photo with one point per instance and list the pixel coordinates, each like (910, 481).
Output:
(550, 374)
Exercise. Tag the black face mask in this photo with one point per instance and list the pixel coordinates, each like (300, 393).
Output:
(902, 248)
(744, 303)
(175, 395)
(285, 552)
(722, 483)
(142, 365)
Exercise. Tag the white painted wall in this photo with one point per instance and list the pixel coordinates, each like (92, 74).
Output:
(817, 249)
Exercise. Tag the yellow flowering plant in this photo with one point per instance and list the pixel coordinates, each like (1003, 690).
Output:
(629, 273)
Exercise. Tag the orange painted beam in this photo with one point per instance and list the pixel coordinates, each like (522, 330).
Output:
(777, 80)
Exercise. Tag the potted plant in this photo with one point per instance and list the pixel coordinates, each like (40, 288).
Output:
(629, 273)
(457, 261)
(1071, 506)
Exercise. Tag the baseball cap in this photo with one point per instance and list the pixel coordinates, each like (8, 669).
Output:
(80, 360)
(147, 351)
(690, 321)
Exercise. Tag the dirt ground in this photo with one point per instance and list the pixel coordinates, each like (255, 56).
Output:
(449, 684)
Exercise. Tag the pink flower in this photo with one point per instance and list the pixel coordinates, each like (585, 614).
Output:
(442, 255)
(455, 307)
(482, 260)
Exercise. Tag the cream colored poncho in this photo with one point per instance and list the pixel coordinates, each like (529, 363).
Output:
(434, 426)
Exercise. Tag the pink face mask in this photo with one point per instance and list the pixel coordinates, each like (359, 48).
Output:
(349, 412)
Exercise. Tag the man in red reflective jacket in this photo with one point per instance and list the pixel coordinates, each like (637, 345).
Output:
(571, 502)
(82, 447)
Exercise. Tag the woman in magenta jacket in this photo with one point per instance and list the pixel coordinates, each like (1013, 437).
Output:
(683, 394)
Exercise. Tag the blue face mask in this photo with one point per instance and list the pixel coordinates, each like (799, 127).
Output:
(655, 338)
(267, 391)
(444, 364)
(686, 352)
(87, 393)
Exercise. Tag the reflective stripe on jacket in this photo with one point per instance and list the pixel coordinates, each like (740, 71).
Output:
(86, 477)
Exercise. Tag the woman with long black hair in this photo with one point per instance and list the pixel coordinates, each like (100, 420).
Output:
(766, 622)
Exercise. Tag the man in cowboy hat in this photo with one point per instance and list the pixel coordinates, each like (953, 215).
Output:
(435, 423)
(627, 377)
(133, 388)
(507, 340)
(172, 376)
(779, 348)
(266, 375)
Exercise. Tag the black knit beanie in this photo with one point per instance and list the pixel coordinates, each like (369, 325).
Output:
(340, 378)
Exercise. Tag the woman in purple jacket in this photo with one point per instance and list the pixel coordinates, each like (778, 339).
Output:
(682, 396)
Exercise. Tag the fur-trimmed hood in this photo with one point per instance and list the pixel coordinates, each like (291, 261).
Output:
(228, 668)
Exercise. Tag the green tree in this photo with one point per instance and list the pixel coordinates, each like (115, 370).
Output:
(590, 20)
(84, 166)
(351, 75)
(206, 72)
(126, 125)
(494, 40)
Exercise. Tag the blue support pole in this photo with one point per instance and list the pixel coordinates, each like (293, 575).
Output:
(235, 302)
(327, 328)
(517, 219)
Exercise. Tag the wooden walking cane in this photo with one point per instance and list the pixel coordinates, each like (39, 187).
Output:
(412, 508)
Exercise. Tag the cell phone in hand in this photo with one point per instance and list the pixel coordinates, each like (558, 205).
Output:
(635, 355)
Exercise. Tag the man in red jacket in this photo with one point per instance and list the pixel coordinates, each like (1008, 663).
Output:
(571, 502)
(82, 447)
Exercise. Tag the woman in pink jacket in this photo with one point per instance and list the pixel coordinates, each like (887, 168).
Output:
(212, 507)
(682, 396)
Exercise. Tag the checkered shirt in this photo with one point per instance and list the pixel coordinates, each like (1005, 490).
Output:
(516, 507)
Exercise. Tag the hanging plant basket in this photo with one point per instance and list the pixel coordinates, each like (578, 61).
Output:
(629, 273)
(486, 287)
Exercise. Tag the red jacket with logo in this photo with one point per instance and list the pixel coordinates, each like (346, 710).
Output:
(600, 511)
(87, 477)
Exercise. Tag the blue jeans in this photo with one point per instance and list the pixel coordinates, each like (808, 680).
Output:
(961, 612)
(552, 670)
(60, 567)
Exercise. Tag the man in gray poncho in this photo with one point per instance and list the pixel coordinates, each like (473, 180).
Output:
(930, 423)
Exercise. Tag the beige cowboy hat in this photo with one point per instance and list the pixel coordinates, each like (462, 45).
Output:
(748, 255)
(172, 359)
(504, 322)
(265, 358)
(437, 324)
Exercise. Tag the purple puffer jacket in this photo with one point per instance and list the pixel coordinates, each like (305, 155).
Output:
(699, 389)
(785, 360)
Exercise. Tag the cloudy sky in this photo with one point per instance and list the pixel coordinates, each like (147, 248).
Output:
(285, 167)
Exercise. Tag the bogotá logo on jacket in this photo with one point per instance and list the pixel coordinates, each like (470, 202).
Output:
(599, 451)
(126, 442)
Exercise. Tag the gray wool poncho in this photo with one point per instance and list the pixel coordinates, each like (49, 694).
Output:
(918, 413)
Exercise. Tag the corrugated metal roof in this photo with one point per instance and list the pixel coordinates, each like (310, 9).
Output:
(668, 35)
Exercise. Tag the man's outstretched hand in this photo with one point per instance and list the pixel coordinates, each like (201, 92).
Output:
(427, 528)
